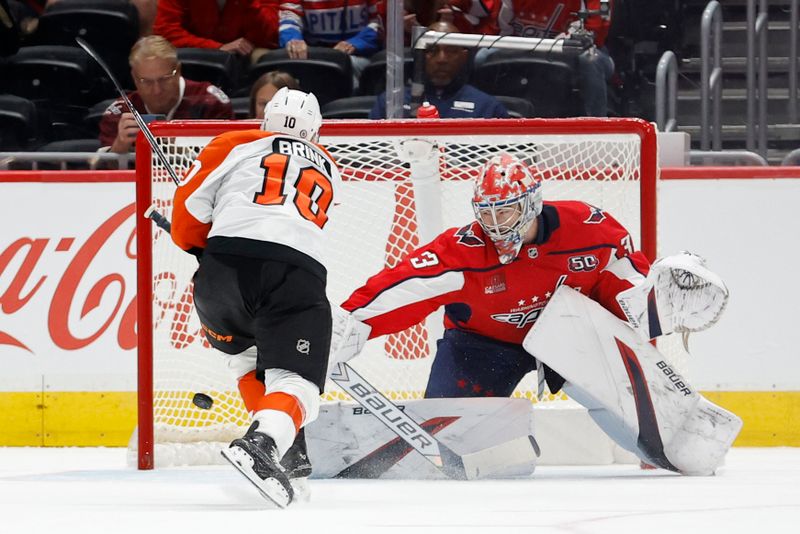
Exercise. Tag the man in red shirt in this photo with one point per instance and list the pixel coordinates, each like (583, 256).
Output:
(236, 26)
(160, 90)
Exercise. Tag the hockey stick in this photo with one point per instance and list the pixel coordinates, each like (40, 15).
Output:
(150, 212)
(136, 115)
(447, 461)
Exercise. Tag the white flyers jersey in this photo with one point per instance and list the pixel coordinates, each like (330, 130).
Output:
(260, 186)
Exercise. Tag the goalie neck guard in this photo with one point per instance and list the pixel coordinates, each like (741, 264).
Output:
(293, 112)
(506, 200)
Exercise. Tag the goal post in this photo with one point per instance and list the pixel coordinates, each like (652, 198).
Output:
(388, 206)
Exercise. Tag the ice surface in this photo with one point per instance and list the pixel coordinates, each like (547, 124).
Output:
(61, 491)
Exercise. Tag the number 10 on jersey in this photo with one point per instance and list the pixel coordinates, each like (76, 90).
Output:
(314, 191)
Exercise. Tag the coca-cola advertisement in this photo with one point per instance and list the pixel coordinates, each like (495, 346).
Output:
(67, 283)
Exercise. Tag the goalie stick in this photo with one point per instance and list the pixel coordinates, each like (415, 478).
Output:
(481, 463)
(150, 212)
(447, 461)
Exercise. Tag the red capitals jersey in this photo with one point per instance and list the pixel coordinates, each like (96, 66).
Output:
(577, 245)
(534, 18)
(547, 18)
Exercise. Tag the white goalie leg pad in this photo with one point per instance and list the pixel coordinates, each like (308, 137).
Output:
(679, 295)
(278, 424)
(242, 363)
(631, 391)
(348, 336)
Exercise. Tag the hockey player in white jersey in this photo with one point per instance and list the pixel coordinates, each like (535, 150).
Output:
(257, 204)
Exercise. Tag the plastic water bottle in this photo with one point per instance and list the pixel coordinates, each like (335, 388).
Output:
(427, 111)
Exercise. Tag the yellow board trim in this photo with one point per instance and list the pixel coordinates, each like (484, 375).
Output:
(107, 419)
(770, 417)
(67, 419)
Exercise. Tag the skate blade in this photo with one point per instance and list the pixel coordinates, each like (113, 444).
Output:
(302, 491)
(269, 488)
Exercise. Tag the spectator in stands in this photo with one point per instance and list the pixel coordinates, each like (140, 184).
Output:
(542, 18)
(265, 88)
(147, 15)
(9, 31)
(237, 26)
(160, 90)
(426, 12)
(26, 14)
(354, 27)
(446, 87)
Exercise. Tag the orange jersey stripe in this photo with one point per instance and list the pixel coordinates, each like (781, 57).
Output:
(283, 402)
(252, 391)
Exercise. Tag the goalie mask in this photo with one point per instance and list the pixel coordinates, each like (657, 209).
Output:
(506, 200)
(293, 112)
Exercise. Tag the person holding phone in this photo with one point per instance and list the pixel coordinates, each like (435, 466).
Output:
(161, 94)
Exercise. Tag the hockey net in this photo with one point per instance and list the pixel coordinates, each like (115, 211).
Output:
(389, 205)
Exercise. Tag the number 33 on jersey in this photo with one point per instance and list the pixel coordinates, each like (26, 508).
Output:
(257, 185)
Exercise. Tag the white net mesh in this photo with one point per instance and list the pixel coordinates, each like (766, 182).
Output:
(387, 208)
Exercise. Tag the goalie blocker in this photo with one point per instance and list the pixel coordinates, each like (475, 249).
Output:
(630, 390)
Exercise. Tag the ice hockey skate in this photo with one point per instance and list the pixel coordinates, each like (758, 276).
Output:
(298, 467)
(256, 457)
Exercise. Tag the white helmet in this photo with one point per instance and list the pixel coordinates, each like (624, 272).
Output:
(293, 112)
(506, 198)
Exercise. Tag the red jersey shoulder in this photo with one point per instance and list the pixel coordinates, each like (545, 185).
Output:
(582, 224)
(464, 247)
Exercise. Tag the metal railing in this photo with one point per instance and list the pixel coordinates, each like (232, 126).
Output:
(711, 77)
(757, 27)
(667, 92)
(792, 158)
(93, 160)
(726, 157)
(794, 22)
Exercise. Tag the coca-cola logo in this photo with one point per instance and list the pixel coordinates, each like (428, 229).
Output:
(25, 286)
(73, 295)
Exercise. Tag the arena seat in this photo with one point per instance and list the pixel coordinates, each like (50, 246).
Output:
(18, 123)
(71, 145)
(91, 121)
(111, 27)
(518, 108)
(352, 107)
(549, 84)
(61, 74)
(327, 73)
(241, 107)
(373, 78)
(210, 65)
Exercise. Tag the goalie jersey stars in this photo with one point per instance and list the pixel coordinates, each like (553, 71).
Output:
(461, 271)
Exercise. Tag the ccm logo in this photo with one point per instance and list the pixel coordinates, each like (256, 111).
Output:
(218, 337)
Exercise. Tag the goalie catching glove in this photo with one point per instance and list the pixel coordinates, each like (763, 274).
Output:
(679, 295)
